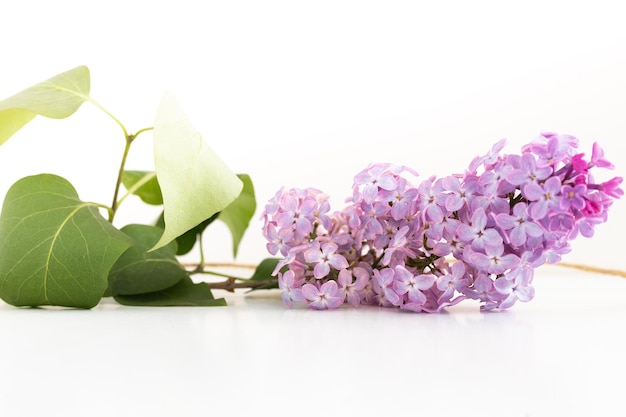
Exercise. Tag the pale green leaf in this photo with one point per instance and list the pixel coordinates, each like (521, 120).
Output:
(194, 181)
(187, 240)
(54, 248)
(237, 215)
(57, 98)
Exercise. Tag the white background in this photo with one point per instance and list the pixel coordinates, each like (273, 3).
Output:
(307, 94)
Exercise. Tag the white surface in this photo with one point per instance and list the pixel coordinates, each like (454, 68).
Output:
(306, 94)
(560, 354)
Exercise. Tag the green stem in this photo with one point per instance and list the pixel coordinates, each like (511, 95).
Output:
(377, 260)
(120, 173)
(108, 113)
(231, 285)
(199, 269)
(201, 249)
(219, 274)
(107, 208)
(145, 129)
(129, 140)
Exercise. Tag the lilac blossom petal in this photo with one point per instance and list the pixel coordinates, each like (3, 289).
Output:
(353, 289)
(291, 289)
(328, 296)
(573, 197)
(597, 157)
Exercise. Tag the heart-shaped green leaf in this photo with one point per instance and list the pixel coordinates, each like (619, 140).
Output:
(237, 215)
(57, 98)
(54, 248)
(194, 181)
(185, 293)
(145, 185)
(138, 271)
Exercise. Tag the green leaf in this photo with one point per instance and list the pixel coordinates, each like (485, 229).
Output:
(264, 272)
(185, 293)
(195, 182)
(237, 215)
(187, 240)
(137, 271)
(54, 248)
(145, 185)
(57, 98)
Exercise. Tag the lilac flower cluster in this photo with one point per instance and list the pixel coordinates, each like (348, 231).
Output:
(477, 235)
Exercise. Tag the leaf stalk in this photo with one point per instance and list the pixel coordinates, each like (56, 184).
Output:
(118, 183)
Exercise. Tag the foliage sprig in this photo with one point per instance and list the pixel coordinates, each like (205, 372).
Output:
(56, 249)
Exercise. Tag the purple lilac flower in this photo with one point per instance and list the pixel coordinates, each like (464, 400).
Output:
(397, 244)
(477, 235)
(372, 212)
(406, 283)
(353, 289)
(291, 289)
(551, 154)
(519, 225)
(611, 187)
(494, 260)
(459, 193)
(491, 157)
(384, 280)
(492, 189)
(450, 243)
(402, 202)
(552, 147)
(544, 197)
(374, 177)
(485, 291)
(324, 256)
(326, 296)
(456, 280)
(528, 171)
(297, 214)
(278, 239)
(597, 157)
(432, 200)
(517, 289)
(573, 197)
(477, 231)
